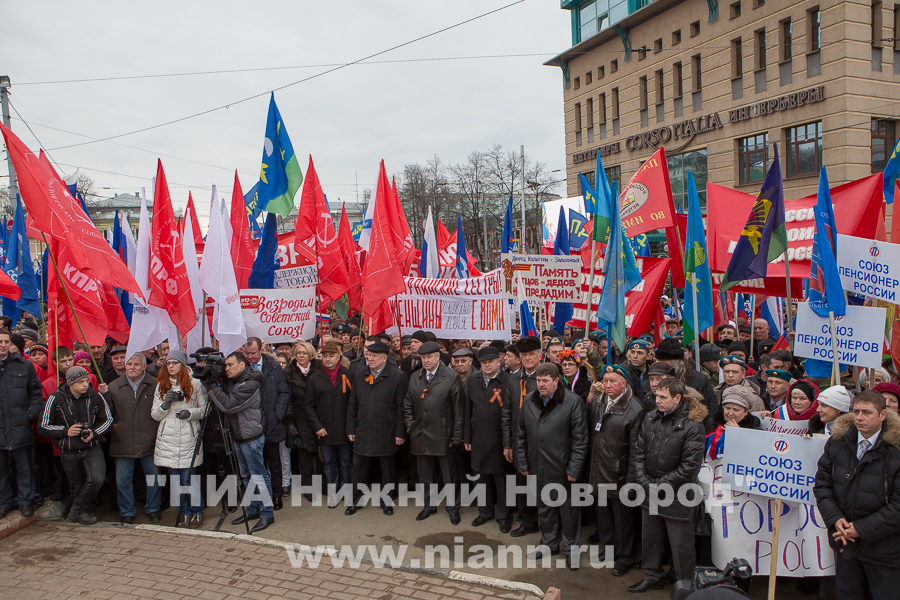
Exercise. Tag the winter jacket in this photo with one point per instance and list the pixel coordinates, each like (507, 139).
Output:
(612, 443)
(520, 387)
(701, 384)
(300, 432)
(134, 430)
(636, 378)
(63, 410)
(20, 402)
(483, 428)
(275, 396)
(375, 411)
(552, 441)
(240, 400)
(669, 450)
(433, 412)
(866, 492)
(176, 438)
(326, 405)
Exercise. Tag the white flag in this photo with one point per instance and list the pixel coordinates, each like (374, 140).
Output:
(428, 264)
(366, 231)
(195, 336)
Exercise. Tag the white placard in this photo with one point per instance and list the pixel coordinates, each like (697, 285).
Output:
(869, 268)
(280, 315)
(784, 426)
(859, 335)
(546, 277)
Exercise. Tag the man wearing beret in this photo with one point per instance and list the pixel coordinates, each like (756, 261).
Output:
(614, 419)
(638, 352)
(671, 351)
(777, 384)
(733, 369)
(486, 393)
(434, 417)
(554, 347)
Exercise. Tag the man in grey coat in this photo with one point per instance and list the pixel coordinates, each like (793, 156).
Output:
(552, 444)
(434, 416)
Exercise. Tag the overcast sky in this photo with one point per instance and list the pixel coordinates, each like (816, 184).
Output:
(403, 112)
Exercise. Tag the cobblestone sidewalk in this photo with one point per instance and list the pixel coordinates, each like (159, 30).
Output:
(60, 561)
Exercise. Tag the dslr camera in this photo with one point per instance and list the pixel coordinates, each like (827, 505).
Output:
(85, 430)
(735, 576)
(212, 373)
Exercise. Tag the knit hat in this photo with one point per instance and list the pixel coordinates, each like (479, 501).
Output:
(740, 395)
(29, 334)
(836, 397)
(737, 346)
(710, 353)
(881, 388)
(81, 355)
(178, 355)
(670, 349)
(76, 374)
(420, 336)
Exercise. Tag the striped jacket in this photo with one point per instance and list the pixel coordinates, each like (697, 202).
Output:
(63, 410)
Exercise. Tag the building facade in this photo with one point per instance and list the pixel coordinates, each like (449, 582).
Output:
(716, 83)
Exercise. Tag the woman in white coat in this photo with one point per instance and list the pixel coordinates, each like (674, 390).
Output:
(179, 405)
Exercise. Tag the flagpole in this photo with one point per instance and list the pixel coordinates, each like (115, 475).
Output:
(696, 322)
(787, 305)
(74, 314)
(203, 322)
(835, 370)
(590, 294)
(752, 318)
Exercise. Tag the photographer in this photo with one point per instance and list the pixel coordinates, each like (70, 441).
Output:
(76, 417)
(240, 398)
(178, 404)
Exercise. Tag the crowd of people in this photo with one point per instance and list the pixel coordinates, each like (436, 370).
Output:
(80, 424)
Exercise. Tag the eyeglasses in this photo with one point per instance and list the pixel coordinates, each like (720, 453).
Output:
(172, 363)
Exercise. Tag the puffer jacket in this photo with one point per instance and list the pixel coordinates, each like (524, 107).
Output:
(866, 492)
(176, 438)
(612, 444)
(300, 432)
(240, 399)
(20, 402)
(669, 450)
(433, 412)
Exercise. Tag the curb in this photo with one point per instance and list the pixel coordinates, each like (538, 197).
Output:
(15, 523)
(503, 584)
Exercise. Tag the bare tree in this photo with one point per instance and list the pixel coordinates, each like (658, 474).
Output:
(86, 186)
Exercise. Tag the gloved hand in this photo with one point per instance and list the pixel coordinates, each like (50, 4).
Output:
(183, 414)
(292, 430)
(165, 404)
(171, 396)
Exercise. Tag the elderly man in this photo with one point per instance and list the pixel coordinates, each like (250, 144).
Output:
(614, 421)
(638, 353)
(133, 436)
(777, 384)
(375, 423)
(486, 394)
(462, 362)
(733, 370)
(434, 417)
(552, 444)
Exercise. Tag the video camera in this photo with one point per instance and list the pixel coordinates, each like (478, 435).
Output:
(736, 576)
(212, 373)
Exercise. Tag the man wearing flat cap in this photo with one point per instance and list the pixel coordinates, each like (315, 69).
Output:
(734, 368)
(434, 418)
(463, 360)
(117, 360)
(614, 421)
(637, 352)
(486, 393)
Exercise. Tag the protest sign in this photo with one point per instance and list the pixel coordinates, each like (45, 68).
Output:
(783, 426)
(742, 526)
(859, 335)
(472, 308)
(293, 269)
(545, 277)
(774, 465)
(280, 315)
(869, 268)
(550, 216)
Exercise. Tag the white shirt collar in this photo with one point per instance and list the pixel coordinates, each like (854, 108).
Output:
(872, 439)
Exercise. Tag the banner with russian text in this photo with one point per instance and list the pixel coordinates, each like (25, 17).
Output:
(859, 335)
(473, 308)
(280, 315)
(546, 278)
(646, 201)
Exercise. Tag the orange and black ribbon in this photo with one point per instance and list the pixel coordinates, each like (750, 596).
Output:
(371, 379)
(345, 383)
(522, 392)
(498, 397)
(423, 393)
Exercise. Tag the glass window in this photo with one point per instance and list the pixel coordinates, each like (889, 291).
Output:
(884, 140)
(804, 149)
(593, 18)
(618, 12)
(679, 166)
(787, 44)
(753, 156)
(815, 29)
(614, 175)
(589, 175)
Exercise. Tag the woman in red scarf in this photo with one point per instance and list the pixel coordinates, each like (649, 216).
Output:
(802, 404)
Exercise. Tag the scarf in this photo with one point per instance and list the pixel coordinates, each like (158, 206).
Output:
(332, 375)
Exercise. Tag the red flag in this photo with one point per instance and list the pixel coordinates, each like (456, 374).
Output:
(401, 236)
(8, 288)
(315, 238)
(646, 201)
(242, 254)
(53, 211)
(880, 230)
(348, 252)
(84, 292)
(198, 237)
(675, 242)
(443, 236)
(169, 285)
(447, 259)
(381, 319)
(382, 278)
(117, 324)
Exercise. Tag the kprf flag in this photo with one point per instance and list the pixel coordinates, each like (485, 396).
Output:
(400, 234)
(77, 308)
(825, 291)
(280, 176)
(382, 276)
(195, 228)
(428, 263)
(696, 270)
(648, 193)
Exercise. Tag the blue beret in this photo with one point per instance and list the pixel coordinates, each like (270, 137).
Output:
(732, 359)
(779, 374)
(617, 369)
(639, 343)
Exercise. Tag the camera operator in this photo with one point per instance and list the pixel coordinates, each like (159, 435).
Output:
(178, 404)
(76, 417)
(240, 398)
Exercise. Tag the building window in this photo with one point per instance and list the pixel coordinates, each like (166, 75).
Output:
(577, 123)
(760, 37)
(615, 103)
(589, 175)
(814, 29)
(877, 23)
(614, 175)
(896, 27)
(601, 72)
(737, 58)
(678, 83)
(787, 49)
(657, 46)
(589, 106)
(735, 10)
(676, 37)
(679, 166)
(642, 92)
(696, 75)
(593, 18)
(601, 117)
(695, 28)
(577, 82)
(753, 156)
(804, 149)
(660, 88)
(884, 140)
(588, 77)
(613, 66)
(758, 3)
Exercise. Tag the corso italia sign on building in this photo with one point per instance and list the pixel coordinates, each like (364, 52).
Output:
(687, 130)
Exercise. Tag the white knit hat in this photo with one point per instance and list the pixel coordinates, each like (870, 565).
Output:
(836, 397)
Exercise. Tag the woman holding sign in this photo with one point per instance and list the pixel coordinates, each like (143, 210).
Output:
(735, 412)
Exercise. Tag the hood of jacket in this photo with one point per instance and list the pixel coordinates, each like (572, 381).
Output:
(693, 403)
(890, 430)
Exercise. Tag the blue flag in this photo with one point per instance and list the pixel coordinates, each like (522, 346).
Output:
(262, 277)
(641, 245)
(563, 311)
(825, 291)
(587, 192)
(891, 172)
(696, 269)
(120, 247)
(605, 203)
(507, 240)
(577, 235)
(462, 263)
(621, 276)
(20, 269)
(280, 176)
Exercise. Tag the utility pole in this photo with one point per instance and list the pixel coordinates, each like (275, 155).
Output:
(522, 234)
(4, 104)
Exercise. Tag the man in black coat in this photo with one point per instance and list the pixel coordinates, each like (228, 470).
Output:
(434, 417)
(326, 401)
(858, 494)
(375, 423)
(669, 452)
(552, 445)
(671, 351)
(486, 393)
(637, 353)
(275, 396)
(615, 418)
(21, 401)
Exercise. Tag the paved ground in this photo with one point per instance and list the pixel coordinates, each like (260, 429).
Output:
(59, 560)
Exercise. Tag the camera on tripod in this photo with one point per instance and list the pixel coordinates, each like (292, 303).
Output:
(212, 372)
(736, 576)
